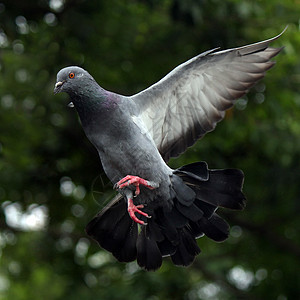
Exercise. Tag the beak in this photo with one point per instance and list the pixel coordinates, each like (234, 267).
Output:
(58, 86)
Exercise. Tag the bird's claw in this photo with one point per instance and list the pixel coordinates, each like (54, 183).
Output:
(136, 181)
(132, 209)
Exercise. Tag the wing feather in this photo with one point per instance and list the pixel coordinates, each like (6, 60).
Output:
(189, 101)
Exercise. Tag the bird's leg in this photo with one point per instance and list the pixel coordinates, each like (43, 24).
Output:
(132, 209)
(136, 181)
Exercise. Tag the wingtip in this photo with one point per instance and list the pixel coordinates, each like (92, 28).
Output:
(279, 35)
(284, 30)
(261, 46)
(276, 37)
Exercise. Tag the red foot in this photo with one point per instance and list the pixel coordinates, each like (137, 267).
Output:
(135, 180)
(132, 209)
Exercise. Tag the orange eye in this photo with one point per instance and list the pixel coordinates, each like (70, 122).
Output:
(71, 75)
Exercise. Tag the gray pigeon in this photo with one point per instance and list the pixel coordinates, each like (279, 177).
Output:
(160, 211)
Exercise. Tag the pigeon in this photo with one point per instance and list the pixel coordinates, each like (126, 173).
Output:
(159, 211)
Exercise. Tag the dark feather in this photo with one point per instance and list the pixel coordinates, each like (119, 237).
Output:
(127, 251)
(197, 170)
(192, 212)
(186, 250)
(184, 194)
(115, 231)
(224, 189)
(214, 228)
(148, 254)
(166, 248)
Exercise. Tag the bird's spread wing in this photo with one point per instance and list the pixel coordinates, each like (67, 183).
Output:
(192, 99)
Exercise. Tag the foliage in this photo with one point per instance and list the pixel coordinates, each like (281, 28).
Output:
(51, 182)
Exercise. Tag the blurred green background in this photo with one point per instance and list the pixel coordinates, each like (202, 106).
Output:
(51, 181)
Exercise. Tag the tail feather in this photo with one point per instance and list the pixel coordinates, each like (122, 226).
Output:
(186, 250)
(222, 189)
(196, 230)
(214, 228)
(172, 230)
(193, 212)
(167, 227)
(115, 231)
(112, 217)
(184, 194)
(148, 253)
(127, 251)
(153, 231)
(207, 208)
(197, 170)
(100, 229)
(177, 218)
(166, 248)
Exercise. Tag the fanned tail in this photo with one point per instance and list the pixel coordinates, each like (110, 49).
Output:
(198, 192)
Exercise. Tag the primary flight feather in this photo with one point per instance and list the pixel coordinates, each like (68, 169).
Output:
(135, 137)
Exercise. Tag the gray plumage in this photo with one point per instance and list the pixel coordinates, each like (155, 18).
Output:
(137, 135)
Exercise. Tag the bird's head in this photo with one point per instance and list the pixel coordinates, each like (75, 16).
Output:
(72, 80)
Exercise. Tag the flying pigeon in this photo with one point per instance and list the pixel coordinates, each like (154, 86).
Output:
(160, 211)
